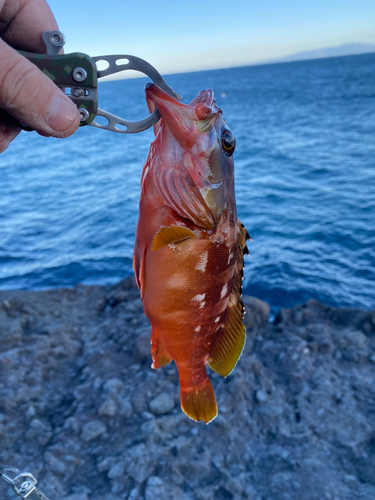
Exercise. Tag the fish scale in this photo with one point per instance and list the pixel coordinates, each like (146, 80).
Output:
(188, 255)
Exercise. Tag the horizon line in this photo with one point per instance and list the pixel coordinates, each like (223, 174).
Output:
(267, 62)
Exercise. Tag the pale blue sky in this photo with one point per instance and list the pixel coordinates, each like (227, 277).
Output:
(199, 34)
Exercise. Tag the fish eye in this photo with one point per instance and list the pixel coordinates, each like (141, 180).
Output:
(228, 142)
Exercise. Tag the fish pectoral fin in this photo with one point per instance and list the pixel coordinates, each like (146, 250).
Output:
(230, 341)
(171, 235)
(159, 355)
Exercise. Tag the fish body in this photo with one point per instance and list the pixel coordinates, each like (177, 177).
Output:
(188, 256)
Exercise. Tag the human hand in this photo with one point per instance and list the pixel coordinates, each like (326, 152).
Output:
(26, 94)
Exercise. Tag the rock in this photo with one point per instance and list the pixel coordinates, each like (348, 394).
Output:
(113, 386)
(261, 396)
(156, 488)
(105, 464)
(30, 413)
(139, 463)
(108, 408)
(56, 465)
(257, 312)
(78, 496)
(81, 408)
(117, 469)
(144, 347)
(162, 404)
(39, 431)
(134, 493)
(93, 430)
(126, 408)
(53, 488)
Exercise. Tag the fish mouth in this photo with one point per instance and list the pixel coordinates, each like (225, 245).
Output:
(183, 120)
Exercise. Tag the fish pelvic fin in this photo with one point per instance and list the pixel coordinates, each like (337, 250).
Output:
(172, 235)
(159, 355)
(230, 340)
(199, 402)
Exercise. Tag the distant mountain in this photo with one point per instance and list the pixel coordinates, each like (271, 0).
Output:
(348, 49)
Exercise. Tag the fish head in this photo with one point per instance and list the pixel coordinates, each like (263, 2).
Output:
(195, 141)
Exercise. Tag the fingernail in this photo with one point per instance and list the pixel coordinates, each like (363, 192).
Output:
(62, 113)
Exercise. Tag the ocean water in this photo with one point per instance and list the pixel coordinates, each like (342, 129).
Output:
(305, 185)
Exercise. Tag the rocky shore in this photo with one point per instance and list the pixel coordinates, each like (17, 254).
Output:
(83, 411)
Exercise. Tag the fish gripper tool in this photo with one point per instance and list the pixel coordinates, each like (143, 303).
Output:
(77, 75)
(23, 483)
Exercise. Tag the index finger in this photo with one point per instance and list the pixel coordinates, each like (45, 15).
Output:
(24, 21)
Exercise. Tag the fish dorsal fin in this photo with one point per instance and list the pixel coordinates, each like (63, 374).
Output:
(181, 193)
(230, 340)
(159, 355)
(172, 235)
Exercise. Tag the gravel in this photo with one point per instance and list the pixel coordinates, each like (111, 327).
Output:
(81, 408)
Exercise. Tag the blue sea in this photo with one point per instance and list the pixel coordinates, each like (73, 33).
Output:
(305, 185)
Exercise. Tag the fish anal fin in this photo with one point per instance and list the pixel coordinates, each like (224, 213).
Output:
(199, 402)
(172, 235)
(230, 340)
(159, 355)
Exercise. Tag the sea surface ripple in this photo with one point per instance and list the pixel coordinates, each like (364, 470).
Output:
(305, 185)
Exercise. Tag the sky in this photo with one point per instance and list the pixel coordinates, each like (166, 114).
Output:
(194, 35)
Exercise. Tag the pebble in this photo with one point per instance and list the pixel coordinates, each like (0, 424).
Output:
(147, 452)
(56, 465)
(40, 431)
(162, 404)
(156, 489)
(77, 496)
(126, 408)
(116, 470)
(261, 396)
(143, 347)
(108, 408)
(113, 385)
(93, 430)
(30, 412)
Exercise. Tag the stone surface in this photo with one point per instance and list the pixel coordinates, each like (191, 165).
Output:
(81, 408)
(92, 430)
(163, 403)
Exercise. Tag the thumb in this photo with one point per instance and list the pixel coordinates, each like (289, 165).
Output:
(31, 97)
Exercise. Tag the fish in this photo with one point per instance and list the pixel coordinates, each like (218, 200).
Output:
(189, 250)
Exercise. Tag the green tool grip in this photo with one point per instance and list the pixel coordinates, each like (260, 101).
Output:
(76, 75)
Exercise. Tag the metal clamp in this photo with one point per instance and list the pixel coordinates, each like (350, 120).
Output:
(77, 75)
(117, 63)
(23, 483)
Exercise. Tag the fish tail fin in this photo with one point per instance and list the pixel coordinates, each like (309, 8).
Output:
(199, 402)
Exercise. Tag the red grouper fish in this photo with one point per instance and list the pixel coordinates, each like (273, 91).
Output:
(188, 256)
